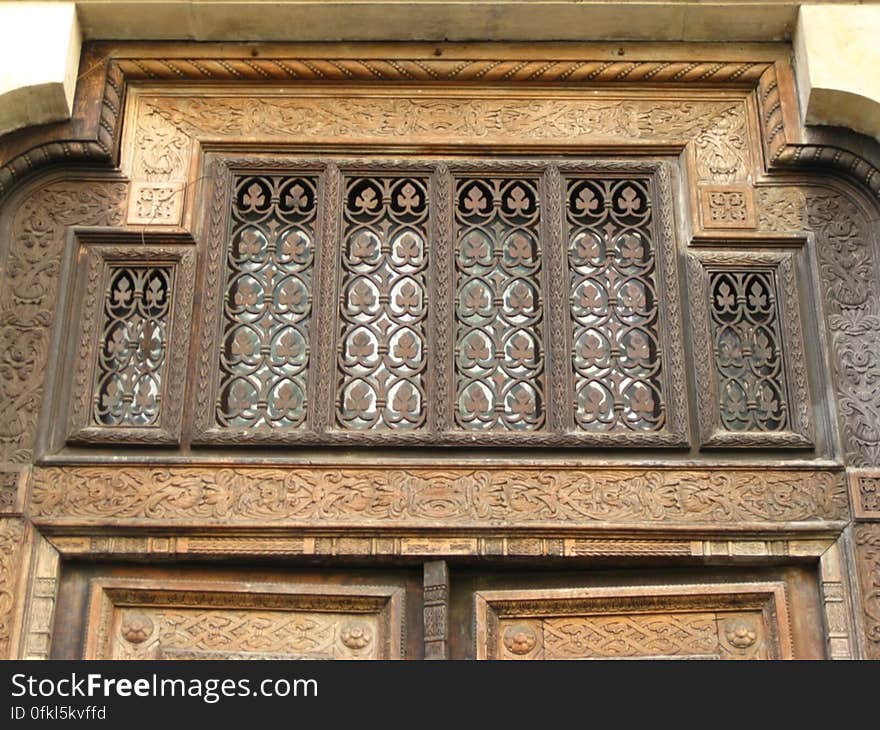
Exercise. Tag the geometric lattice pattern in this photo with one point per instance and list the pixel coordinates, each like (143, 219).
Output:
(132, 348)
(267, 303)
(383, 303)
(748, 353)
(499, 306)
(614, 307)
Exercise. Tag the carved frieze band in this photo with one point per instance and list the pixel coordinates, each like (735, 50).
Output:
(164, 125)
(425, 496)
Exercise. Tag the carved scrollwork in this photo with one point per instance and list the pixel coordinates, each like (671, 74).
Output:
(28, 298)
(11, 544)
(868, 558)
(852, 309)
(423, 495)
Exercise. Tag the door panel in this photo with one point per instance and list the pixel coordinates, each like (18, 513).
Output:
(732, 621)
(460, 611)
(699, 613)
(131, 619)
(126, 611)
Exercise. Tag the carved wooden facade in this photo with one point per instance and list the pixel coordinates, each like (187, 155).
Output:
(612, 320)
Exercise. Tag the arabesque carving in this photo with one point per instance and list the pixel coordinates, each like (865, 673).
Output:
(28, 298)
(718, 128)
(12, 530)
(425, 495)
(847, 266)
(867, 538)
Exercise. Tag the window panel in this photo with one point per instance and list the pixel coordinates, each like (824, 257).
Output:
(132, 305)
(614, 306)
(750, 362)
(132, 350)
(499, 309)
(267, 303)
(460, 302)
(383, 304)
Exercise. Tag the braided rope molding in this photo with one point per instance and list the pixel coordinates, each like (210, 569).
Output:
(843, 161)
(745, 74)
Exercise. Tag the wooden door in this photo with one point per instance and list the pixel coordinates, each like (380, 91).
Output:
(706, 613)
(196, 612)
(436, 610)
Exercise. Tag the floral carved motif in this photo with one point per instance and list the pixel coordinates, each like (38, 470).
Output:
(844, 246)
(27, 301)
(868, 559)
(11, 543)
(718, 128)
(423, 496)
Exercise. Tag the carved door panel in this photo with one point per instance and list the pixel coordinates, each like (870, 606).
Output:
(432, 610)
(130, 612)
(646, 615)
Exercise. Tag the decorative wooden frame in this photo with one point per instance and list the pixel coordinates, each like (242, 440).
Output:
(799, 434)
(99, 251)
(831, 551)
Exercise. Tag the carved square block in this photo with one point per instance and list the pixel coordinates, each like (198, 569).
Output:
(176, 619)
(9, 492)
(729, 206)
(865, 492)
(155, 204)
(703, 621)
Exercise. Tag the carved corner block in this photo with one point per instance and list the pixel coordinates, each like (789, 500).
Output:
(729, 207)
(865, 493)
(156, 204)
